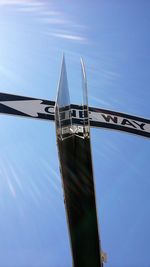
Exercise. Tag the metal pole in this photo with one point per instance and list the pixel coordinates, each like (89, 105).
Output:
(77, 177)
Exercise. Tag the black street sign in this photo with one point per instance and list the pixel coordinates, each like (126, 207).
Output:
(101, 118)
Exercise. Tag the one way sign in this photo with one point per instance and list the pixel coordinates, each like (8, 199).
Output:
(44, 109)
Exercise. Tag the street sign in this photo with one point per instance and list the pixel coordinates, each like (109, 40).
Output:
(100, 118)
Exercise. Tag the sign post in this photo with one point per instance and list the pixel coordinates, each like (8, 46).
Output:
(78, 183)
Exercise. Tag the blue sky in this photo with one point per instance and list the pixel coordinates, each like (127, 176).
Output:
(113, 39)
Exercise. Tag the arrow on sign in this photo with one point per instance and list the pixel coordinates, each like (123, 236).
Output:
(29, 107)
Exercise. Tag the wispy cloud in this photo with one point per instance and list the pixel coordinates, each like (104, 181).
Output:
(24, 5)
(15, 2)
(99, 101)
(54, 20)
(70, 37)
(47, 13)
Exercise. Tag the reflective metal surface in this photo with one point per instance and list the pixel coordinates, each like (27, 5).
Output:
(77, 176)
